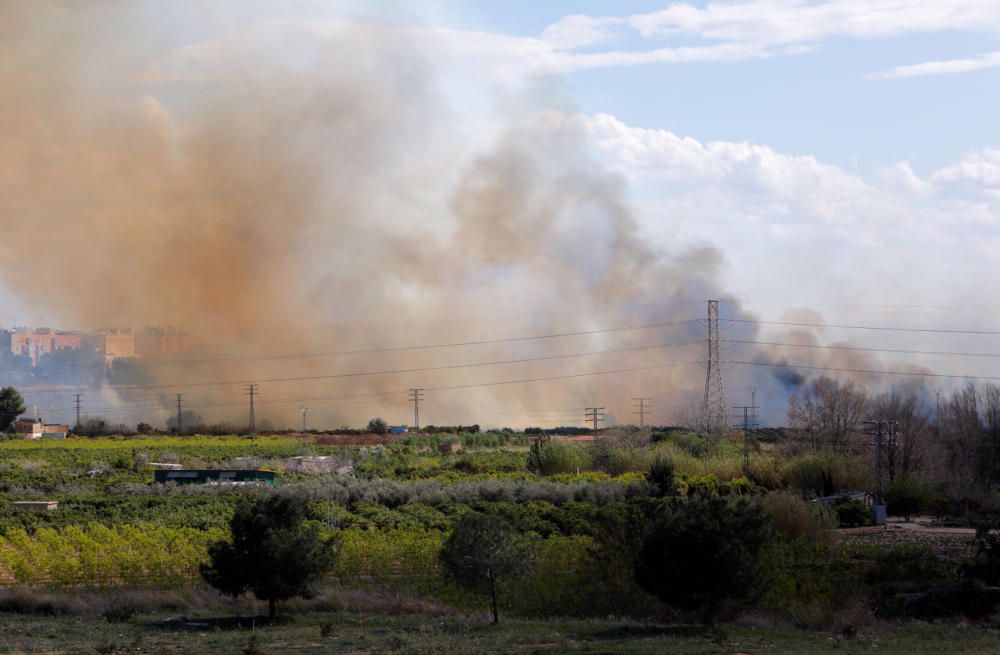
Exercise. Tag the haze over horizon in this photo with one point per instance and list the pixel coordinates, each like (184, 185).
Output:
(464, 172)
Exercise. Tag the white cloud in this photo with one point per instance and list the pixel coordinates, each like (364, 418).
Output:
(578, 31)
(808, 228)
(942, 67)
(799, 21)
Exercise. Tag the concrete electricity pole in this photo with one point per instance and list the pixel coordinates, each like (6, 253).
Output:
(180, 424)
(303, 410)
(252, 391)
(640, 407)
(595, 415)
(713, 407)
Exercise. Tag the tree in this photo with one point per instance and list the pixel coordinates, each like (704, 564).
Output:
(378, 426)
(906, 445)
(481, 550)
(828, 410)
(273, 552)
(11, 406)
(699, 553)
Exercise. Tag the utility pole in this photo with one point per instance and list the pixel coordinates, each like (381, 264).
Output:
(303, 410)
(416, 395)
(78, 408)
(180, 422)
(878, 504)
(640, 407)
(595, 415)
(713, 408)
(252, 391)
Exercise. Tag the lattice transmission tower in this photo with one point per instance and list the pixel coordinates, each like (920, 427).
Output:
(713, 408)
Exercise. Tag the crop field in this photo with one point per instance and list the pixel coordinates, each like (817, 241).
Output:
(117, 565)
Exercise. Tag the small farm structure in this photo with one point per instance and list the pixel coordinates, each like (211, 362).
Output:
(40, 506)
(202, 476)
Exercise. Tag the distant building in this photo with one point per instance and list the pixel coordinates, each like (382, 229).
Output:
(157, 342)
(42, 341)
(113, 343)
(5, 341)
(55, 431)
(29, 428)
(449, 447)
(35, 428)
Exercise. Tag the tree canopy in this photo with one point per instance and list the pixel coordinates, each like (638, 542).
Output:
(274, 552)
(481, 550)
(704, 551)
(11, 406)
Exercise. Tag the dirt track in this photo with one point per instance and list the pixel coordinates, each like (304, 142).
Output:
(952, 543)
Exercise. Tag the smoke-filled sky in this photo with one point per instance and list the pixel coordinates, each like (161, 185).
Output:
(257, 172)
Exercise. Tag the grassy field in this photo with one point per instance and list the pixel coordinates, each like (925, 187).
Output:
(374, 633)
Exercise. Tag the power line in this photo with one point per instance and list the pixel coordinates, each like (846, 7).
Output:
(366, 351)
(860, 327)
(410, 324)
(453, 387)
(921, 374)
(421, 369)
(862, 349)
(861, 305)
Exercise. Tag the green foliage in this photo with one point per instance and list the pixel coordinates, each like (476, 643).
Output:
(812, 576)
(825, 474)
(661, 475)
(851, 513)
(615, 457)
(549, 457)
(703, 552)
(273, 552)
(378, 426)
(908, 564)
(96, 555)
(481, 550)
(794, 518)
(11, 406)
(905, 496)
(985, 563)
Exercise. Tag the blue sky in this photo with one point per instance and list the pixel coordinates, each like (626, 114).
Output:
(816, 103)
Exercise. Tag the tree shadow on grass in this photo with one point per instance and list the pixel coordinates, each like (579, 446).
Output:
(219, 623)
(640, 631)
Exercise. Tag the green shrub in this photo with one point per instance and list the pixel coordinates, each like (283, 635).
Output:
(703, 553)
(560, 457)
(851, 513)
(794, 518)
(661, 474)
(908, 564)
(905, 496)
